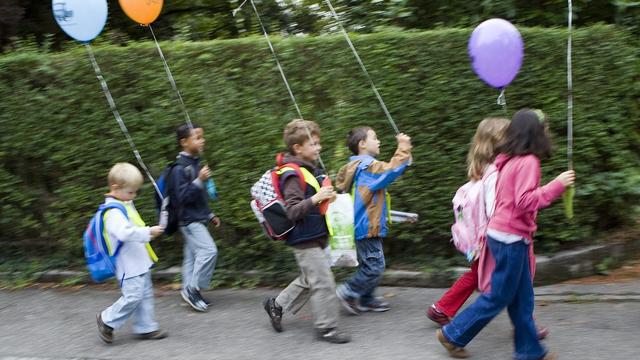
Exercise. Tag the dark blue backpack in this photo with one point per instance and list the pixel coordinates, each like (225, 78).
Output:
(101, 265)
(168, 212)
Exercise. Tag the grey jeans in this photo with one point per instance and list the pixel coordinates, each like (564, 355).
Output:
(315, 283)
(137, 302)
(200, 255)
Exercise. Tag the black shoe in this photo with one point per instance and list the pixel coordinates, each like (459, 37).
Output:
(154, 335)
(275, 313)
(190, 296)
(333, 336)
(104, 331)
(204, 299)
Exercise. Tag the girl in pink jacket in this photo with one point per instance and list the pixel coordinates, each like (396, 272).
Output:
(519, 196)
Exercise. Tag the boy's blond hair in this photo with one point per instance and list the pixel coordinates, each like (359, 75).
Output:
(482, 151)
(296, 132)
(125, 175)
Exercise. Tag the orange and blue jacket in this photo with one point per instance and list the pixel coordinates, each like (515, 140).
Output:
(367, 180)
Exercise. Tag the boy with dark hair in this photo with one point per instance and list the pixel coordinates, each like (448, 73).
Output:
(367, 179)
(187, 181)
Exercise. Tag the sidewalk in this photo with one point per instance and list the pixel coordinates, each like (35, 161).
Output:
(59, 323)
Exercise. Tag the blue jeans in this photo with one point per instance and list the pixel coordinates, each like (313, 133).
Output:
(137, 302)
(200, 255)
(511, 288)
(371, 266)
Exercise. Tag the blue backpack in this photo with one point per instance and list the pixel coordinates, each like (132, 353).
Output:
(101, 265)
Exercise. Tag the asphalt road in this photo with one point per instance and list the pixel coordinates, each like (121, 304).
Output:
(586, 322)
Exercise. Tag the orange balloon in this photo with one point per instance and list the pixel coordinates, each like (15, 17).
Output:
(142, 11)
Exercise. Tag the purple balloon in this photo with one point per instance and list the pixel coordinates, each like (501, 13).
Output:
(496, 51)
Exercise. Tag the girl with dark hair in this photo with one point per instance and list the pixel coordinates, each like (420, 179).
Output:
(510, 232)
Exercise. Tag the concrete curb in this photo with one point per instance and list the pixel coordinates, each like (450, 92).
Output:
(562, 266)
(587, 298)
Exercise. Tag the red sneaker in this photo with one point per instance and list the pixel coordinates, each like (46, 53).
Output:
(437, 316)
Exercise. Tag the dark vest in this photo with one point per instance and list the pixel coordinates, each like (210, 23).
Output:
(313, 225)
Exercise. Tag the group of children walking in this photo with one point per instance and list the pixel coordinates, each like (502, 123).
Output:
(505, 156)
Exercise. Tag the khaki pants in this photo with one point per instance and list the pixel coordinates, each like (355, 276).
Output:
(315, 283)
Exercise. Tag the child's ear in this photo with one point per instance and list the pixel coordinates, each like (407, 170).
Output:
(183, 141)
(114, 187)
(296, 149)
(361, 144)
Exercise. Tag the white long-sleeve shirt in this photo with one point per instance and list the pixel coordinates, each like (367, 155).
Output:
(133, 258)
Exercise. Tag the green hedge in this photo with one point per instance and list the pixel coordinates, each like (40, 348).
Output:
(59, 138)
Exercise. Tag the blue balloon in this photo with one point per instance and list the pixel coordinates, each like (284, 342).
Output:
(83, 20)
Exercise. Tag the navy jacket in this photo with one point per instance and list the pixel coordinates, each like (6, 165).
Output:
(188, 192)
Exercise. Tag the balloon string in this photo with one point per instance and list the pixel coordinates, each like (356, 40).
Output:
(283, 76)
(502, 100)
(116, 114)
(174, 86)
(569, 94)
(172, 80)
(235, 11)
(362, 67)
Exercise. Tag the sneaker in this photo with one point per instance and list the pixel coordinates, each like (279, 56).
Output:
(454, 351)
(333, 336)
(154, 335)
(190, 296)
(275, 313)
(350, 304)
(204, 299)
(104, 331)
(437, 316)
(375, 306)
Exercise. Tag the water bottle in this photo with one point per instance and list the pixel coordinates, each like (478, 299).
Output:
(211, 189)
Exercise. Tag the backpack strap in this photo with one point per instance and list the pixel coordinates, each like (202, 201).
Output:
(180, 161)
(489, 171)
(103, 211)
(281, 169)
(163, 203)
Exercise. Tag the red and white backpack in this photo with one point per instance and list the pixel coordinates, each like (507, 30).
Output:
(268, 203)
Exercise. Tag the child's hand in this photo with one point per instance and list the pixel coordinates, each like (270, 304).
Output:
(325, 193)
(216, 221)
(156, 231)
(205, 173)
(403, 139)
(567, 178)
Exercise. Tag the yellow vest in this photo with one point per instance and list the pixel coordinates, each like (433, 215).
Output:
(310, 180)
(135, 218)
